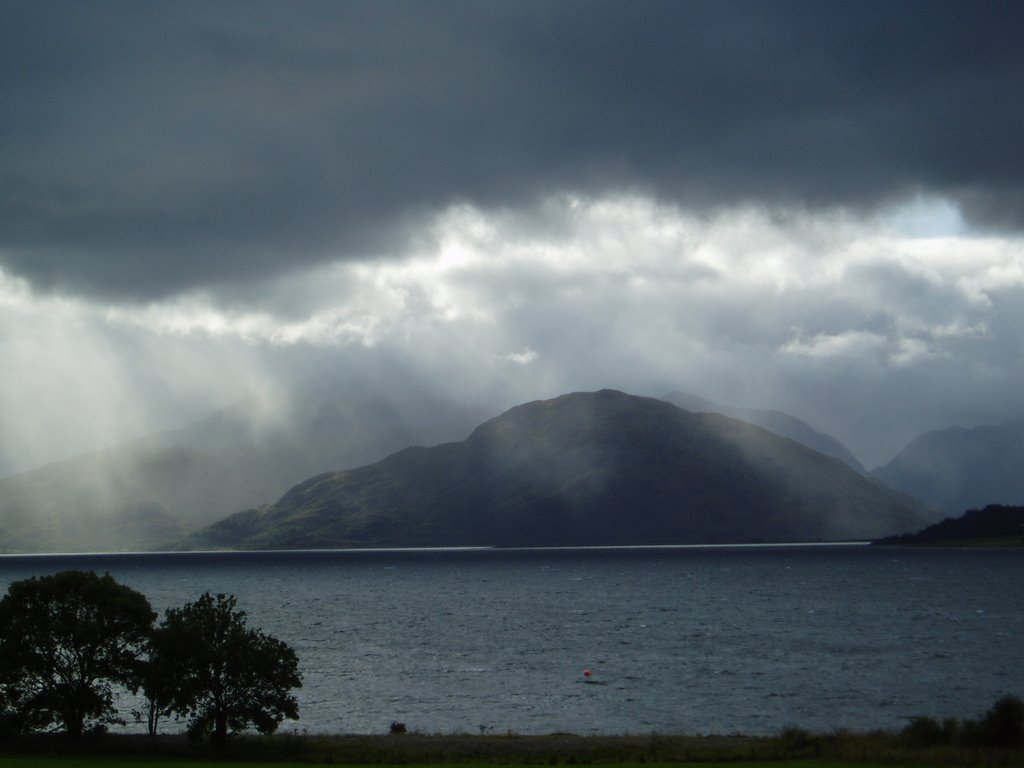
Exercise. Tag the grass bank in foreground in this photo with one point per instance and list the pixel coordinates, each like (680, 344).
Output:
(791, 748)
(71, 762)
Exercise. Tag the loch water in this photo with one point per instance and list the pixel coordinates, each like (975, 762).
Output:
(679, 640)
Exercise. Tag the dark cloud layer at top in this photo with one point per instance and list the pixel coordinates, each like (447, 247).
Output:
(148, 148)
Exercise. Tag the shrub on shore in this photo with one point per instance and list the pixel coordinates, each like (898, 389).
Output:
(1002, 727)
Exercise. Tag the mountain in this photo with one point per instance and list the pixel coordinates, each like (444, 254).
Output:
(600, 468)
(956, 469)
(774, 421)
(995, 524)
(124, 498)
(142, 494)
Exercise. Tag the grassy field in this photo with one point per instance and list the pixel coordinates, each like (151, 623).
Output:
(794, 748)
(93, 762)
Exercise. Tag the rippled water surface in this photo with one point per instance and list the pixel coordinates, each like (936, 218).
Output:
(678, 640)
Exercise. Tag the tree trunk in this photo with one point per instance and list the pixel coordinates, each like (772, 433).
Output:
(153, 719)
(220, 728)
(74, 724)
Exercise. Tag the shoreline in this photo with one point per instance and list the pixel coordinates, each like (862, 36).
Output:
(427, 551)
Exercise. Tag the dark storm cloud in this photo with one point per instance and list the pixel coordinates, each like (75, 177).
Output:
(149, 148)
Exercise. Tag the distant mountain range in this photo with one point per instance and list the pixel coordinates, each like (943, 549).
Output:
(602, 468)
(774, 421)
(957, 469)
(142, 494)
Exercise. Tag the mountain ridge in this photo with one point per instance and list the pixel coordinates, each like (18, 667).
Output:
(957, 468)
(581, 469)
(780, 423)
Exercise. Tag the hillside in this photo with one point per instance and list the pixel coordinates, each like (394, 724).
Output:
(774, 421)
(995, 524)
(600, 468)
(120, 499)
(143, 494)
(957, 469)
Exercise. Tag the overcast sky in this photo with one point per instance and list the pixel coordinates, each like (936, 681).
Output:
(811, 206)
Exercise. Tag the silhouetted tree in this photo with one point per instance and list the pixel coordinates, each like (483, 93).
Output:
(11, 721)
(221, 674)
(157, 681)
(65, 641)
(1003, 725)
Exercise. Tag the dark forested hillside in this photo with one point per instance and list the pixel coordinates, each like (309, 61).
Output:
(995, 524)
